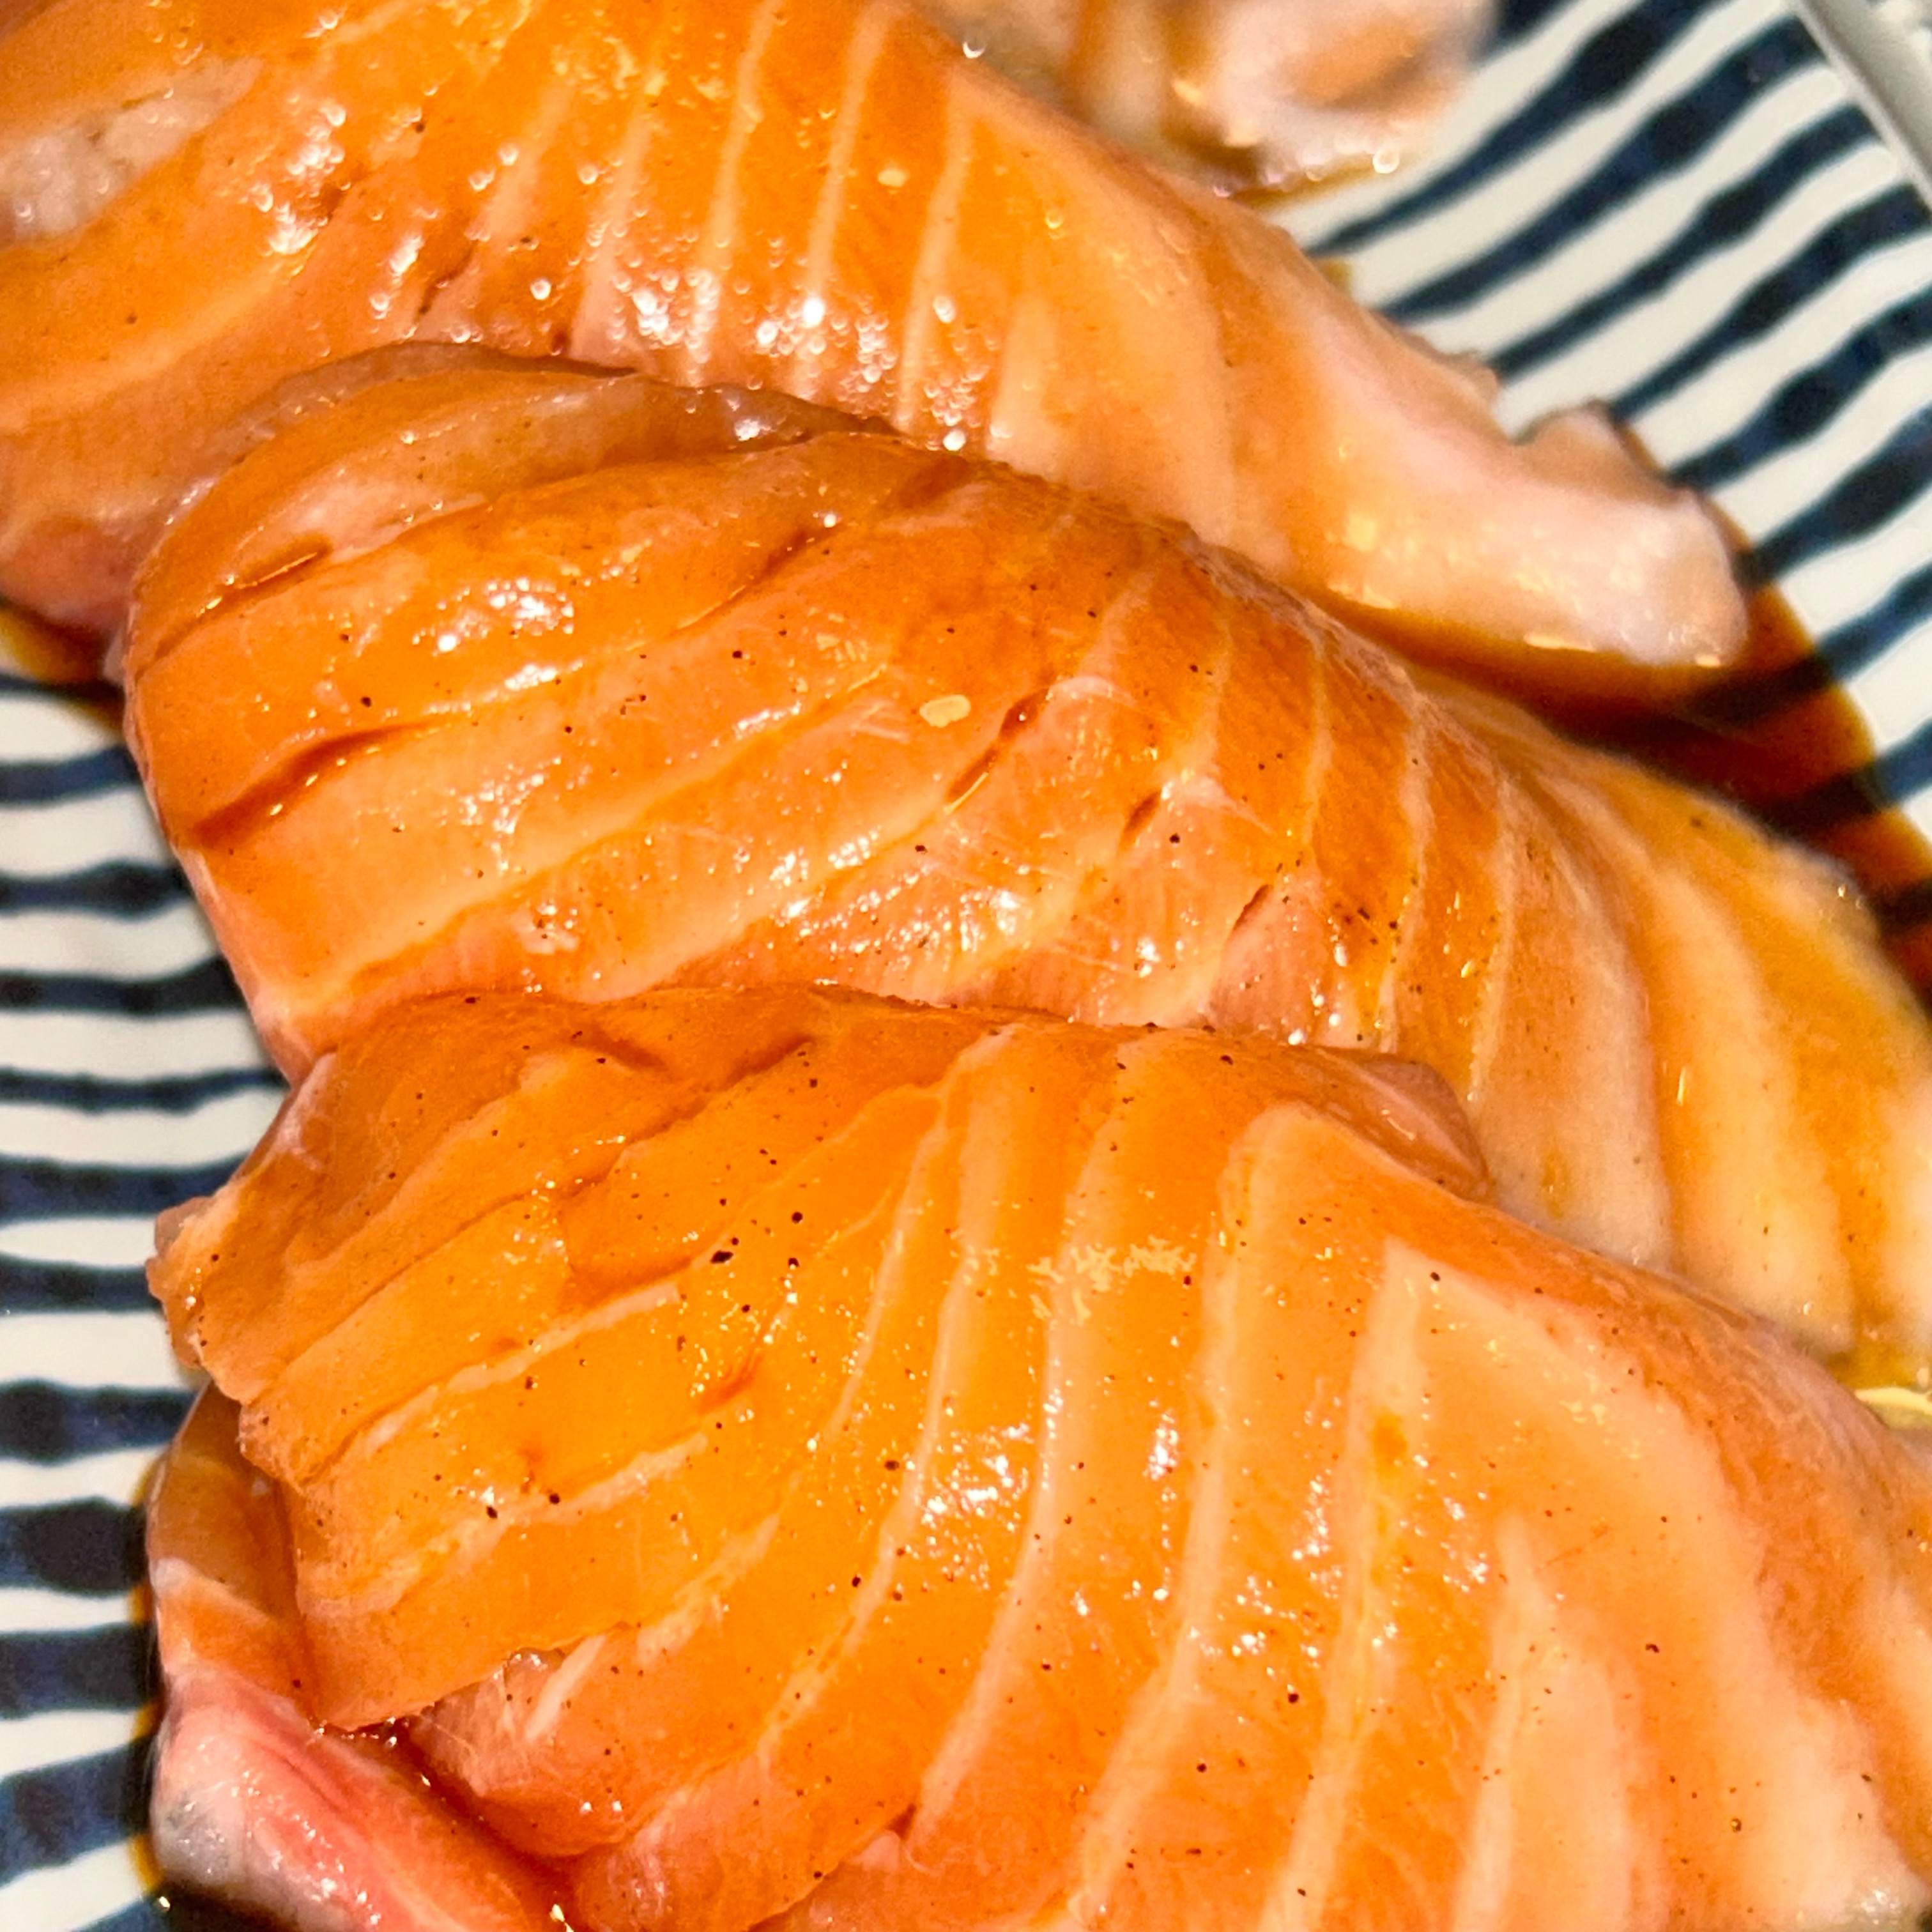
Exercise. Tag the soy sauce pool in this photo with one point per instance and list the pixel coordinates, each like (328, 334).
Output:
(1778, 735)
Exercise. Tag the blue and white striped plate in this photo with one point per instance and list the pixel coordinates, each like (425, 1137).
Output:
(1680, 205)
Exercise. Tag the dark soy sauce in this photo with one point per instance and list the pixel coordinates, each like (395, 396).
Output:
(1771, 732)
(1775, 735)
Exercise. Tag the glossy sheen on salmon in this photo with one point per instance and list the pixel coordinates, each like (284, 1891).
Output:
(909, 1467)
(818, 705)
(1277, 94)
(816, 196)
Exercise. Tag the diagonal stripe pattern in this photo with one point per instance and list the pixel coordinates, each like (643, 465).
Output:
(1674, 203)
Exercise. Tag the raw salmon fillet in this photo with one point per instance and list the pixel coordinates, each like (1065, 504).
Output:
(535, 678)
(253, 1803)
(1277, 94)
(820, 196)
(786, 1453)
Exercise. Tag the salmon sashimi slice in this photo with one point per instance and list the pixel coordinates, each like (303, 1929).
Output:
(252, 1801)
(1203, 1509)
(1275, 94)
(648, 1416)
(705, 695)
(819, 197)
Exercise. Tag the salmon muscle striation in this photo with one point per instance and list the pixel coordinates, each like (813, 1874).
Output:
(786, 1453)
(1267, 94)
(818, 196)
(588, 685)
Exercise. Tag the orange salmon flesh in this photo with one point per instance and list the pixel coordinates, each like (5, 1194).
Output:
(490, 677)
(883, 1466)
(819, 196)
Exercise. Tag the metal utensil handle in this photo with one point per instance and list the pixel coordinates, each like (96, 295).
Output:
(1884, 49)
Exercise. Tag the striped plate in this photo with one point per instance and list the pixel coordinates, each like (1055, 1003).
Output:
(1681, 205)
